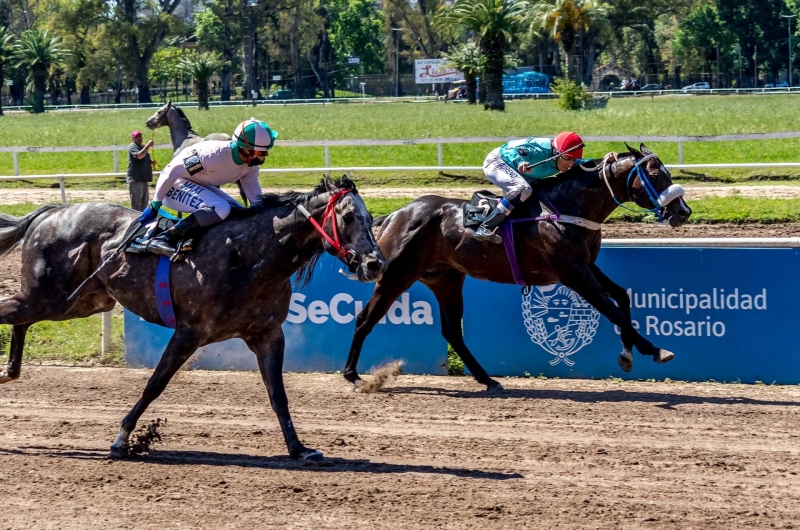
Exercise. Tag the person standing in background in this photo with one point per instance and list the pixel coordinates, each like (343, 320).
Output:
(140, 172)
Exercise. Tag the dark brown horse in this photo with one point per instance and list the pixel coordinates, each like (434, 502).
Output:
(426, 241)
(235, 284)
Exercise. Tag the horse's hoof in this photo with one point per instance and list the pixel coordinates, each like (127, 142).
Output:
(118, 452)
(495, 388)
(5, 378)
(357, 384)
(663, 356)
(625, 363)
(312, 458)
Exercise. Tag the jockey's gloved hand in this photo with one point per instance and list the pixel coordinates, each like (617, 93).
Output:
(150, 213)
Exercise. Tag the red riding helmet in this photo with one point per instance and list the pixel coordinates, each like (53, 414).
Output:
(568, 140)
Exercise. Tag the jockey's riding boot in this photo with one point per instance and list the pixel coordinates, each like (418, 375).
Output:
(164, 244)
(486, 232)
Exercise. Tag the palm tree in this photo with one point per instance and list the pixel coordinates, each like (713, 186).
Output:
(6, 54)
(566, 19)
(467, 58)
(201, 67)
(494, 23)
(38, 51)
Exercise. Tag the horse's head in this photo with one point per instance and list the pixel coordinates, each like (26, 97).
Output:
(159, 118)
(354, 231)
(649, 185)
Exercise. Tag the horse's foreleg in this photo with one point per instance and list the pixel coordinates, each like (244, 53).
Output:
(581, 279)
(448, 289)
(269, 353)
(181, 346)
(630, 336)
(394, 282)
(620, 296)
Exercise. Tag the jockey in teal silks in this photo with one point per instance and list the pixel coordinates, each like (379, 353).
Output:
(517, 164)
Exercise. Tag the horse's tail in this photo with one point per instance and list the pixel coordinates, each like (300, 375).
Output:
(13, 229)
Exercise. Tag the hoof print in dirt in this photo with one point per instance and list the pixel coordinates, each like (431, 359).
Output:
(312, 458)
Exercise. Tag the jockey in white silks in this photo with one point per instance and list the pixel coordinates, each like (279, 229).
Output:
(190, 182)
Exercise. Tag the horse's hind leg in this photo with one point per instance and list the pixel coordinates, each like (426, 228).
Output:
(448, 287)
(269, 352)
(181, 346)
(15, 353)
(629, 335)
(18, 314)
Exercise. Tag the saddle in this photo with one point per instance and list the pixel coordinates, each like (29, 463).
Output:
(481, 204)
(145, 233)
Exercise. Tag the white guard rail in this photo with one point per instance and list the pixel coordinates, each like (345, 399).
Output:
(439, 142)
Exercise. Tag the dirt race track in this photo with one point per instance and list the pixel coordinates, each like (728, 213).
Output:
(427, 452)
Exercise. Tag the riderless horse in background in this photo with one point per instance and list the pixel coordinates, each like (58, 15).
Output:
(234, 284)
(426, 241)
(180, 129)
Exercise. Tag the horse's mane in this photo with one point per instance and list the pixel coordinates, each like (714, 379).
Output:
(271, 201)
(184, 119)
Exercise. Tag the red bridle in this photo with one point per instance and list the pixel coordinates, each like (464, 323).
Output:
(330, 213)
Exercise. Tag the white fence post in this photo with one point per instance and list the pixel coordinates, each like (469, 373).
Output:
(63, 188)
(116, 160)
(16, 163)
(680, 152)
(105, 348)
(439, 153)
(327, 160)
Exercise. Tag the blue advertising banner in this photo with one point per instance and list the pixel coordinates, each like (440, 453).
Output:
(318, 331)
(728, 314)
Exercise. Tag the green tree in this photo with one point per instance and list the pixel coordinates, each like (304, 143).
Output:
(39, 51)
(6, 55)
(467, 58)
(356, 29)
(201, 67)
(566, 20)
(143, 26)
(493, 23)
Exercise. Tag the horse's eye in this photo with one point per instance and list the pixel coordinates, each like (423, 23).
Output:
(348, 218)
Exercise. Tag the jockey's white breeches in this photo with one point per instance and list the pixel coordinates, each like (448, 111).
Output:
(188, 197)
(505, 177)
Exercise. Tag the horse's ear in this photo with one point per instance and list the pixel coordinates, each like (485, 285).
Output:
(169, 103)
(632, 150)
(326, 181)
(645, 151)
(347, 183)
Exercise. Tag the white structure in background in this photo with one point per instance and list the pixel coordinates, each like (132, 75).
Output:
(427, 71)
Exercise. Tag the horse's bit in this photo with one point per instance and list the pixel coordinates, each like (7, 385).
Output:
(659, 201)
(348, 256)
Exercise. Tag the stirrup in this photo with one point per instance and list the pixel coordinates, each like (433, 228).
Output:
(160, 247)
(484, 234)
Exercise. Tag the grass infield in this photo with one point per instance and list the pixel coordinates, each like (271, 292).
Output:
(707, 115)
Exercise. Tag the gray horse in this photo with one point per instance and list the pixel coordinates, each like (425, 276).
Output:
(180, 129)
(235, 284)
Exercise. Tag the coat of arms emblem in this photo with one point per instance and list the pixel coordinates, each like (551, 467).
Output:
(559, 321)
